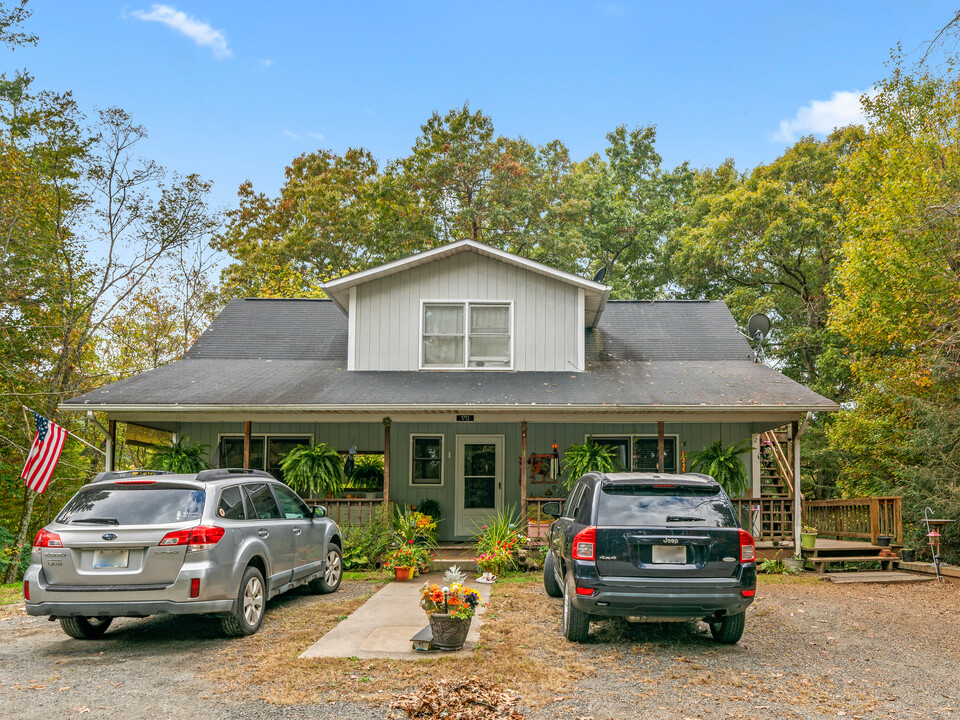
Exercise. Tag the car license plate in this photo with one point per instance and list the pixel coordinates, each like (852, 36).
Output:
(110, 558)
(670, 554)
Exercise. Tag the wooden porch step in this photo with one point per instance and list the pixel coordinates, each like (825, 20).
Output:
(878, 577)
(821, 564)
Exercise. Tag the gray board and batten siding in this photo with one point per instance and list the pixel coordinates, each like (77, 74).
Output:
(548, 321)
(368, 437)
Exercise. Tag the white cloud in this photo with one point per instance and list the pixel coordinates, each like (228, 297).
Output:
(265, 62)
(315, 136)
(301, 136)
(291, 134)
(200, 32)
(820, 117)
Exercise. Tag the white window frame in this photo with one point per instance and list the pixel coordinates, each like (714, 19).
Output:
(410, 482)
(266, 441)
(466, 334)
(644, 436)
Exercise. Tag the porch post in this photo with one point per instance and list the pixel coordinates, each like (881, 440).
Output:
(523, 469)
(247, 430)
(110, 461)
(386, 461)
(797, 498)
(660, 448)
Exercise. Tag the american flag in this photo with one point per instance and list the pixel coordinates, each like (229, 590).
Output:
(44, 454)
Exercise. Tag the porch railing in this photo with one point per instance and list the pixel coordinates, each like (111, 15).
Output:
(856, 518)
(766, 518)
(349, 511)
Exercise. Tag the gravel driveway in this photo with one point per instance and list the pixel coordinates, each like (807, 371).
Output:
(811, 650)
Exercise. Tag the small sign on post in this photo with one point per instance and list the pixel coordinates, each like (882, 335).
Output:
(464, 418)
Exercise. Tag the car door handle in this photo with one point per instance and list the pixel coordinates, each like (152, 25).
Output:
(263, 532)
(297, 531)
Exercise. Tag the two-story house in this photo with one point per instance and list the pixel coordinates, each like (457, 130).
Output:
(464, 365)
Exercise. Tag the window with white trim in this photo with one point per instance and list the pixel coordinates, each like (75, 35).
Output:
(426, 459)
(467, 335)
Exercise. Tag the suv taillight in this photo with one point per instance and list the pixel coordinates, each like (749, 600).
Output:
(45, 538)
(202, 537)
(748, 551)
(585, 544)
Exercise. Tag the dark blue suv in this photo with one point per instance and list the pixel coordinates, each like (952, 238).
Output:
(652, 547)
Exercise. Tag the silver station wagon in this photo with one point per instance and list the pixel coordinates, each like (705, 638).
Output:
(218, 542)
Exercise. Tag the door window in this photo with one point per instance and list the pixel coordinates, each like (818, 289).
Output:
(292, 506)
(230, 506)
(262, 501)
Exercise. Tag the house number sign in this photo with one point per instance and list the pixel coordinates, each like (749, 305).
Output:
(464, 418)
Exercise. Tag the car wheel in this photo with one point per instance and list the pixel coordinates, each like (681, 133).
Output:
(550, 583)
(576, 623)
(251, 602)
(83, 628)
(730, 629)
(332, 573)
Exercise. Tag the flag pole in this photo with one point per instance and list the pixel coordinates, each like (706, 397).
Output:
(77, 437)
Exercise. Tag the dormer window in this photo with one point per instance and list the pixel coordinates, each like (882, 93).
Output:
(467, 335)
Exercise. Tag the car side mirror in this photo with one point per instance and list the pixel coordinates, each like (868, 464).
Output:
(551, 508)
(319, 511)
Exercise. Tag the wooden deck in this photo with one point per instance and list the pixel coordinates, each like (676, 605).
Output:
(852, 552)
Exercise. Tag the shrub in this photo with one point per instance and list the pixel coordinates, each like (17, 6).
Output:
(578, 460)
(179, 457)
(364, 546)
(723, 465)
(313, 471)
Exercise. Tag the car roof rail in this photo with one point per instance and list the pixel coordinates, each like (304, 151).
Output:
(220, 473)
(108, 475)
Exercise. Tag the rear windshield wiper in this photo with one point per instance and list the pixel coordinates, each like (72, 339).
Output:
(94, 521)
(682, 518)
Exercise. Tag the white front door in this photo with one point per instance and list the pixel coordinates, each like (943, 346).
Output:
(479, 481)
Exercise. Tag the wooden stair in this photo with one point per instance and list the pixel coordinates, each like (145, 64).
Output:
(460, 554)
(828, 552)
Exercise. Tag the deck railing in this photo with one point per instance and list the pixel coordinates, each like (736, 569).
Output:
(766, 518)
(349, 511)
(856, 518)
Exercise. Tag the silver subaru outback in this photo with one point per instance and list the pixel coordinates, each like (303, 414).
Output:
(218, 542)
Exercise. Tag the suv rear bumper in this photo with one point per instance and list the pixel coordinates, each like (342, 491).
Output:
(128, 609)
(662, 604)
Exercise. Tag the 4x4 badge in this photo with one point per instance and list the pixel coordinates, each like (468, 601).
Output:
(109, 536)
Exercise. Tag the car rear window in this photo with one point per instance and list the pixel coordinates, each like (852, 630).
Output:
(133, 506)
(672, 506)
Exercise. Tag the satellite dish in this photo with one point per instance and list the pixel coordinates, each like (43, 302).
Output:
(758, 326)
(601, 273)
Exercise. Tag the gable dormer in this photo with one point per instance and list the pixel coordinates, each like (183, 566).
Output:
(467, 306)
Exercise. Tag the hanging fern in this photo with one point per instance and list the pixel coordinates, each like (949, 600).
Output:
(580, 459)
(723, 465)
(313, 471)
(180, 457)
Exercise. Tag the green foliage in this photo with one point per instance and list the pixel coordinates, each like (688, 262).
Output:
(499, 541)
(430, 507)
(367, 472)
(364, 546)
(180, 457)
(578, 460)
(411, 526)
(313, 471)
(723, 465)
(8, 553)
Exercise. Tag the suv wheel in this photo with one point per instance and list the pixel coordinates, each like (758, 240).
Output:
(251, 600)
(332, 573)
(550, 583)
(730, 629)
(85, 628)
(576, 623)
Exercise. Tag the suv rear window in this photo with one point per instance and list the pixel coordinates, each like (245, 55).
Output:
(675, 506)
(135, 505)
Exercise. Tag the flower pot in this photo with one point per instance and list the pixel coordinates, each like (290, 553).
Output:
(449, 633)
(808, 541)
(402, 574)
(883, 540)
(793, 562)
(908, 554)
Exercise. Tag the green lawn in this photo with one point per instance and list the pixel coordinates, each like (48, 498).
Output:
(11, 593)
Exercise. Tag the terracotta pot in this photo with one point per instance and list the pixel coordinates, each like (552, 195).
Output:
(449, 633)
(402, 574)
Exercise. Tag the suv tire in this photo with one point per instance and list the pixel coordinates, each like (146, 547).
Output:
(576, 623)
(332, 573)
(550, 583)
(83, 628)
(730, 629)
(251, 602)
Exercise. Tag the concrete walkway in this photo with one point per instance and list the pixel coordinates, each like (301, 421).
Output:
(383, 626)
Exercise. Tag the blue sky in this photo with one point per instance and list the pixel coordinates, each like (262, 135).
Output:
(235, 90)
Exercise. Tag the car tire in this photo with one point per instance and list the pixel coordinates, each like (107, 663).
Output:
(251, 605)
(730, 629)
(550, 583)
(576, 623)
(83, 628)
(332, 573)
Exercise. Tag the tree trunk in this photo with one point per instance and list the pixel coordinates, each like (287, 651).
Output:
(18, 546)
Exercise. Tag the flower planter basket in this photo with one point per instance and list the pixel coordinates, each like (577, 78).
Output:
(808, 541)
(402, 574)
(449, 633)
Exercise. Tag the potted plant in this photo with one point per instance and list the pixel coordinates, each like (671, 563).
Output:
(808, 537)
(405, 559)
(578, 460)
(313, 471)
(450, 609)
(794, 563)
(179, 457)
(723, 465)
(908, 554)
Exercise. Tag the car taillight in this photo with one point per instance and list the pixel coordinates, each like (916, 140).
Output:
(134, 482)
(195, 588)
(748, 551)
(585, 544)
(26, 589)
(45, 538)
(202, 537)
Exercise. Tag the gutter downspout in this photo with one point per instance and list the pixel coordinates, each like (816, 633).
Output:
(797, 500)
